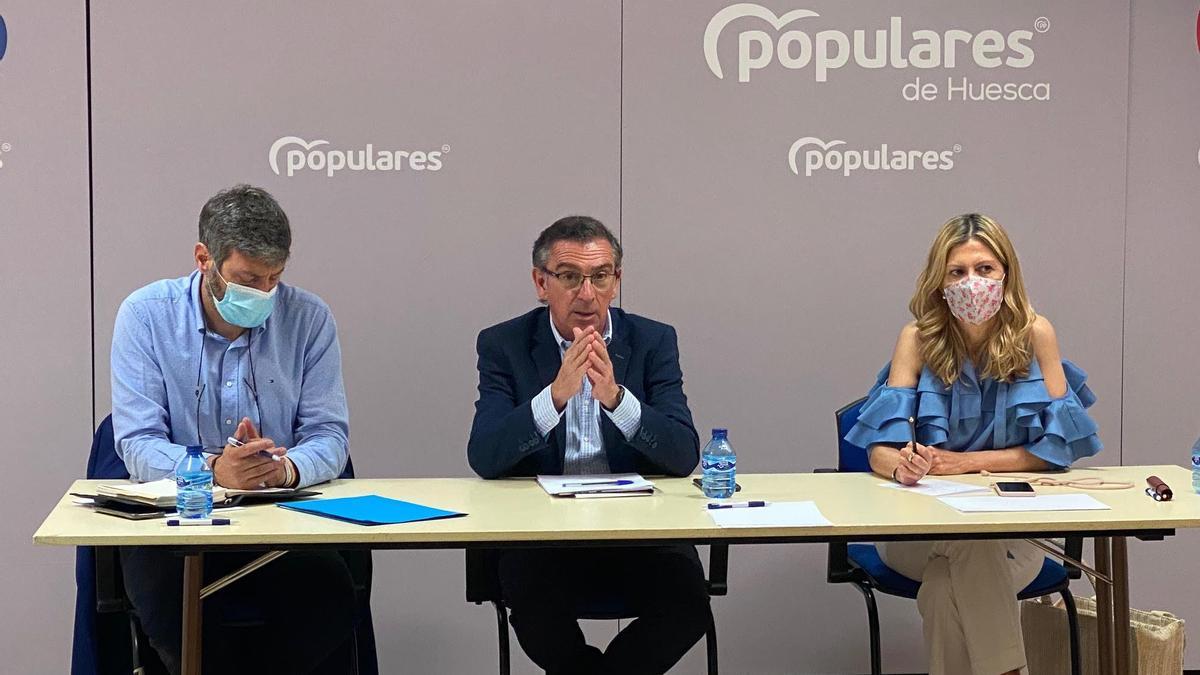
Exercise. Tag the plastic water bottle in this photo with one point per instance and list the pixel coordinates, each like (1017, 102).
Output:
(193, 486)
(1196, 467)
(719, 463)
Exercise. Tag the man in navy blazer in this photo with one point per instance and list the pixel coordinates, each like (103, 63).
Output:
(576, 388)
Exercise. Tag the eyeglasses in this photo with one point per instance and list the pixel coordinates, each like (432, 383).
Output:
(1083, 483)
(571, 280)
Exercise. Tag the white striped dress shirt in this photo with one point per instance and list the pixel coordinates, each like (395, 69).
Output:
(585, 446)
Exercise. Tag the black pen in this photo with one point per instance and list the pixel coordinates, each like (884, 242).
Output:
(912, 432)
(713, 506)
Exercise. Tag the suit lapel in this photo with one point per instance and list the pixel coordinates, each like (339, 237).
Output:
(548, 361)
(545, 352)
(618, 353)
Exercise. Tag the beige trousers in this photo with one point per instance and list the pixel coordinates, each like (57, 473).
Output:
(968, 600)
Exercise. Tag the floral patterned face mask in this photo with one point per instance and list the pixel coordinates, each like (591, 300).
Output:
(974, 299)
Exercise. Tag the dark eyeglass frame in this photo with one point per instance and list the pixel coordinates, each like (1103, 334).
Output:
(607, 286)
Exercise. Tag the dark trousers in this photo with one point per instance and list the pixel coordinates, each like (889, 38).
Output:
(663, 587)
(294, 615)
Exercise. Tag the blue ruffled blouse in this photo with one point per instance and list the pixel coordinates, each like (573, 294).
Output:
(986, 414)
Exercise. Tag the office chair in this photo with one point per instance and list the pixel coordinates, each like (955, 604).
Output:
(108, 637)
(483, 585)
(861, 565)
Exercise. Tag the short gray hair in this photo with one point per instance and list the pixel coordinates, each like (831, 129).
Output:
(245, 219)
(580, 229)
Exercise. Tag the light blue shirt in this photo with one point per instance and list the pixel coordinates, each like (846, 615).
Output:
(585, 446)
(158, 339)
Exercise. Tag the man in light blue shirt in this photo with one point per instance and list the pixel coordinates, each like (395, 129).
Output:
(183, 375)
(230, 351)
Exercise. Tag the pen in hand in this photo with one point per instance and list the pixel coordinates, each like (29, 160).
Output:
(908, 461)
(235, 443)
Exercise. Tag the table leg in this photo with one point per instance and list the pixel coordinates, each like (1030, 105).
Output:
(1104, 616)
(193, 576)
(1120, 608)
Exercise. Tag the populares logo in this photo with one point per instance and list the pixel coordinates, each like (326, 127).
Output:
(811, 154)
(829, 50)
(301, 155)
(3, 37)
(5, 148)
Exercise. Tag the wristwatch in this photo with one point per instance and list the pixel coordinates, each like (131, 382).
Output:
(620, 397)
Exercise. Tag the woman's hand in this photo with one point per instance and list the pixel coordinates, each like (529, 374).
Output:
(914, 464)
(948, 462)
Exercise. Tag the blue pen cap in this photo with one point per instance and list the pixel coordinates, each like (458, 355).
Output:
(720, 433)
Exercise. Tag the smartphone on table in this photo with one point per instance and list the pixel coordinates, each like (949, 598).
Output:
(1013, 488)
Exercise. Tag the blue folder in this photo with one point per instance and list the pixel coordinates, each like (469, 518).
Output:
(370, 510)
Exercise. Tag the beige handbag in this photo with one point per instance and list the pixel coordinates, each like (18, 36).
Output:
(1156, 638)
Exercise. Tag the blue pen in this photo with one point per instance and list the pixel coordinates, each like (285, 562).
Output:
(176, 522)
(738, 505)
(599, 482)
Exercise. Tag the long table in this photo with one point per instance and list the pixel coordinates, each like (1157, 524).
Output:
(516, 512)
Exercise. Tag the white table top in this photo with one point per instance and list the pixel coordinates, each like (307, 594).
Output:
(517, 510)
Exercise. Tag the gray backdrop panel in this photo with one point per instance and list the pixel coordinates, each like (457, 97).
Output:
(46, 367)
(787, 289)
(1161, 324)
(414, 264)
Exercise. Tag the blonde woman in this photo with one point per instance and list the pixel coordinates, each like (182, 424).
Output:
(981, 373)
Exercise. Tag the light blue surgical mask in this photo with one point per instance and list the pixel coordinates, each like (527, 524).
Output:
(244, 306)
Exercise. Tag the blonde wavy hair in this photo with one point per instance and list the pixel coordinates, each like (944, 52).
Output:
(1007, 351)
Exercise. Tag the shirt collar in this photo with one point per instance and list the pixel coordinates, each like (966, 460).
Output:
(565, 344)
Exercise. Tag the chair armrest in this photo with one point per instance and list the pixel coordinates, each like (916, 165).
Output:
(837, 565)
(838, 569)
(718, 569)
(482, 575)
(110, 586)
(361, 568)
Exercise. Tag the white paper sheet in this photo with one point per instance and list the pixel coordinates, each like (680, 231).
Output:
(1075, 502)
(775, 514)
(623, 484)
(934, 487)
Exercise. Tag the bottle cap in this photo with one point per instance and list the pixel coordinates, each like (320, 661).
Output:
(717, 431)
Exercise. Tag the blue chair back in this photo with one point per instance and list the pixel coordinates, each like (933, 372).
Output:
(86, 658)
(850, 456)
(103, 463)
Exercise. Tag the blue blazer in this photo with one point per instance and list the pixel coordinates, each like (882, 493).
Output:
(519, 358)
